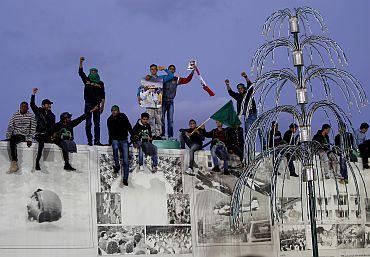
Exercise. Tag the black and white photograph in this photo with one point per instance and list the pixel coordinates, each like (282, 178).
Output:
(367, 209)
(367, 235)
(212, 213)
(108, 207)
(290, 209)
(327, 236)
(351, 236)
(169, 239)
(342, 214)
(113, 240)
(178, 208)
(43, 209)
(106, 174)
(292, 238)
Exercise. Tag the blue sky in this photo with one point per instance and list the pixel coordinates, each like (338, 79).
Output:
(41, 42)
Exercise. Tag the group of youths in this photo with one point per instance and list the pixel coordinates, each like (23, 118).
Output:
(42, 126)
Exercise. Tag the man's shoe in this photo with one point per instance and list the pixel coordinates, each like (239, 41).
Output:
(195, 166)
(37, 166)
(98, 144)
(216, 169)
(90, 144)
(172, 138)
(293, 174)
(366, 166)
(141, 168)
(190, 172)
(125, 182)
(116, 169)
(154, 169)
(226, 172)
(68, 167)
(13, 167)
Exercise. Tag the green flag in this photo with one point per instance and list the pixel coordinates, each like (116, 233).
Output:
(227, 115)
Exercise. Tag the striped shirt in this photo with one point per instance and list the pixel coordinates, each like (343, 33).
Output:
(22, 124)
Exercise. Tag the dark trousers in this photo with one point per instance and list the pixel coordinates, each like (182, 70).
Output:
(41, 139)
(167, 109)
(14, 140)
(238, 151)
(365, 151)
(290, 160)
(64, 151)
(96, 119)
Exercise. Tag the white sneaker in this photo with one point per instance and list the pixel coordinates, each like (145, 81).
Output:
(190, 172)
(141, 168)
(172, 138)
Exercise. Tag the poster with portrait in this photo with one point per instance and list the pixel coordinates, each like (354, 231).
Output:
(150, 93)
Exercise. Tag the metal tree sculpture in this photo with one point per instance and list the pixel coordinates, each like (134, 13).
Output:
(302, 113)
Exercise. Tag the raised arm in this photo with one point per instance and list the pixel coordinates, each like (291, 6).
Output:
(167, 77)
(81, 70)
(186, 80)
(230, 91)
(32, 103)
(245, 76)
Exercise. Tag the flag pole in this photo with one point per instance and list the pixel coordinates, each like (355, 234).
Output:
(203, 123)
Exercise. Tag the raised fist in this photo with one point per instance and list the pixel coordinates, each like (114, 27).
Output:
(227, 82)
(82, 59)
(34, 90)
(244, 74)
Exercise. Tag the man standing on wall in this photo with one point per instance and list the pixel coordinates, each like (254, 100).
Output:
(169, 94)
(45, 124)
(94, 94)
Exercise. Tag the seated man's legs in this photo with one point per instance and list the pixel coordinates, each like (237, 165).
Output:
(324, 159)
(14, 140)
(67, 165)
(141, 154)
(223, 152)
(365, 153)
(193, 149)
(184, 140)
(214, 158)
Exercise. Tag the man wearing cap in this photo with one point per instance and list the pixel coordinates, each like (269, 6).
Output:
(118, 128)
(94, 94)
(45, 124)
(63, 130)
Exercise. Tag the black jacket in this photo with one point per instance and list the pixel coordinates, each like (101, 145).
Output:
(289, 138)
(234, 137)
(323, 140)
(216, 134)
(196, 138)
(118, 127)
(239, 100)
(45, 119)
(275, 138)
(59, 127)
(141, 132)
(93, 92)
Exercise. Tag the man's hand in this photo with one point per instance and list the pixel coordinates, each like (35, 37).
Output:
(95, 109)
(34, 90)
(147, 77)
(227, 82)
(82, 59)
(29, 143)
(161, 68)
(187, 134)
(244, 74)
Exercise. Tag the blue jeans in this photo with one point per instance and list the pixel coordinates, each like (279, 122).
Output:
(219, 150)
(96, 118)
(121, 145)
(192, 148)
(141, 156)
(167, 108)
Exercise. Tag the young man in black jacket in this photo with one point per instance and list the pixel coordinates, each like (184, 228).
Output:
(63, 130)
(218, 147)
(329, 160)
(235, 141)
(291, 138)
(94, 95)
(45, 124)
(118, 128)
(141, 134)
(242, 97)
(193, 137)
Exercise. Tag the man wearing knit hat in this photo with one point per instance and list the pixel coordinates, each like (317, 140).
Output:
(94, 94)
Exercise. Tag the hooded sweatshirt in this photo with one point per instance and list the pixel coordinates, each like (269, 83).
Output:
(141, 132)
(94, 92)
